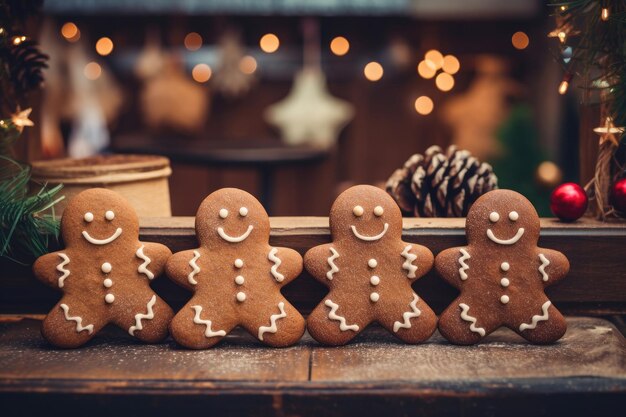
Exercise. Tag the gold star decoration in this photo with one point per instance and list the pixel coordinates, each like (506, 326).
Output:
(608, 131)
(20, 119)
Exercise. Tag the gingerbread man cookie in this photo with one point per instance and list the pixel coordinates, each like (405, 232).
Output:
(104, 273)
(369, 271)
(236, 276)
(501, 274)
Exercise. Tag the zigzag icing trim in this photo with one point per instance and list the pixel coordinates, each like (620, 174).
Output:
(342, 321)
(537, 318)
(272, 257)
(331, 262)
(542, 268)
(77, 319)
(408, 264)
(61, 269)
(471, 319)
(208, 332)
(140, 316)
(273, 318)
(143, 268)
(407, 316)
(195, 267)
(464, 267)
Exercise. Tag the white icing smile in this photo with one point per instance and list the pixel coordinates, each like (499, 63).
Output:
(109, 239)
(236, 239)
(510, 241)
(370, 238)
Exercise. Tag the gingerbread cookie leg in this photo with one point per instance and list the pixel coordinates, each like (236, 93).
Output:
(462, 325)
(198, 326)
(150, 320)
(278, 324)
(547, 325)
(331, 324)
(70, 323)
(412, 321)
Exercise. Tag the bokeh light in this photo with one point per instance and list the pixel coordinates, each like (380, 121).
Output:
(520, 40)
(269, 43)
(549, 174)
(451, 64)
(104, 46)
(339, 46)
(92, 71)
(193, 41)
(426, 69)
(424, 105)
(435, 57)
(247, 65)
(70, 32)
(201, 73)
(444, 81)
(373, 71)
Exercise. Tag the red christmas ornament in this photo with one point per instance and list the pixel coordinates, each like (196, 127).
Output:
(618, 195)
(569, 201)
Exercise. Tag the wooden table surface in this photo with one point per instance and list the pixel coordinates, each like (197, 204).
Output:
(584, 372)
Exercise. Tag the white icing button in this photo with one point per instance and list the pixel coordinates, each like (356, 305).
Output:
(374, 296)
(238, 263)
(107, 283)
(109, 215)
(358, 211)
(504, 299)
(505, 266)
(223, 213)
(243, 212)
(106, 267)
(88, 217)
(241, 297)
(374, 280)
(239, 280)
(504, 282)
(372, 263)
(378, 211)
(109, 298)
(513, 215)
(494, 217)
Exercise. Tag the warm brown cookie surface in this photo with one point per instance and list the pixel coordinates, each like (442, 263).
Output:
(236, 276)
(104, 273)
(369, 271)
(502, 274)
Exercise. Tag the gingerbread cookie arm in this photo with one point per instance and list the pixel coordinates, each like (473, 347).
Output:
(417, 260)
(322, 263)
(552, 266)
(453, 265)
(286, 265)
(53, 269)
(183, 268)
(152, 258)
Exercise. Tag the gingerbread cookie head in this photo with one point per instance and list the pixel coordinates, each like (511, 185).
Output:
(99, 219)
(365, 214)
(369, 271)
(502, 274)
(504, 218)
(104, 272)
(231, 216)
(236, 276)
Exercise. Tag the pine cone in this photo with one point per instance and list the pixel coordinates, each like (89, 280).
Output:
(26, 65)
(440, 185)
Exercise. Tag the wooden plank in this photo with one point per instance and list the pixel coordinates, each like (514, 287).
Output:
(596, 283)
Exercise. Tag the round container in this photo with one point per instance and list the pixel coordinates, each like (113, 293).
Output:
(141, 179)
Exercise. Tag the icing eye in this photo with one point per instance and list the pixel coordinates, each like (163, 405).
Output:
(358, 211)
(243, 212)
(378, 211)
(223, 213)
(494, 217)
(89, 217)
(513, 216)
(109, 215)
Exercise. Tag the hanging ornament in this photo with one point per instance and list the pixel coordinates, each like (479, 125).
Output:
(618, 196)
(568, 201)
(20, 119)
(234, 76)
(608, 132)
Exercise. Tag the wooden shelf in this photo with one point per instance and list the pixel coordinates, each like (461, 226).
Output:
(375, 375)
